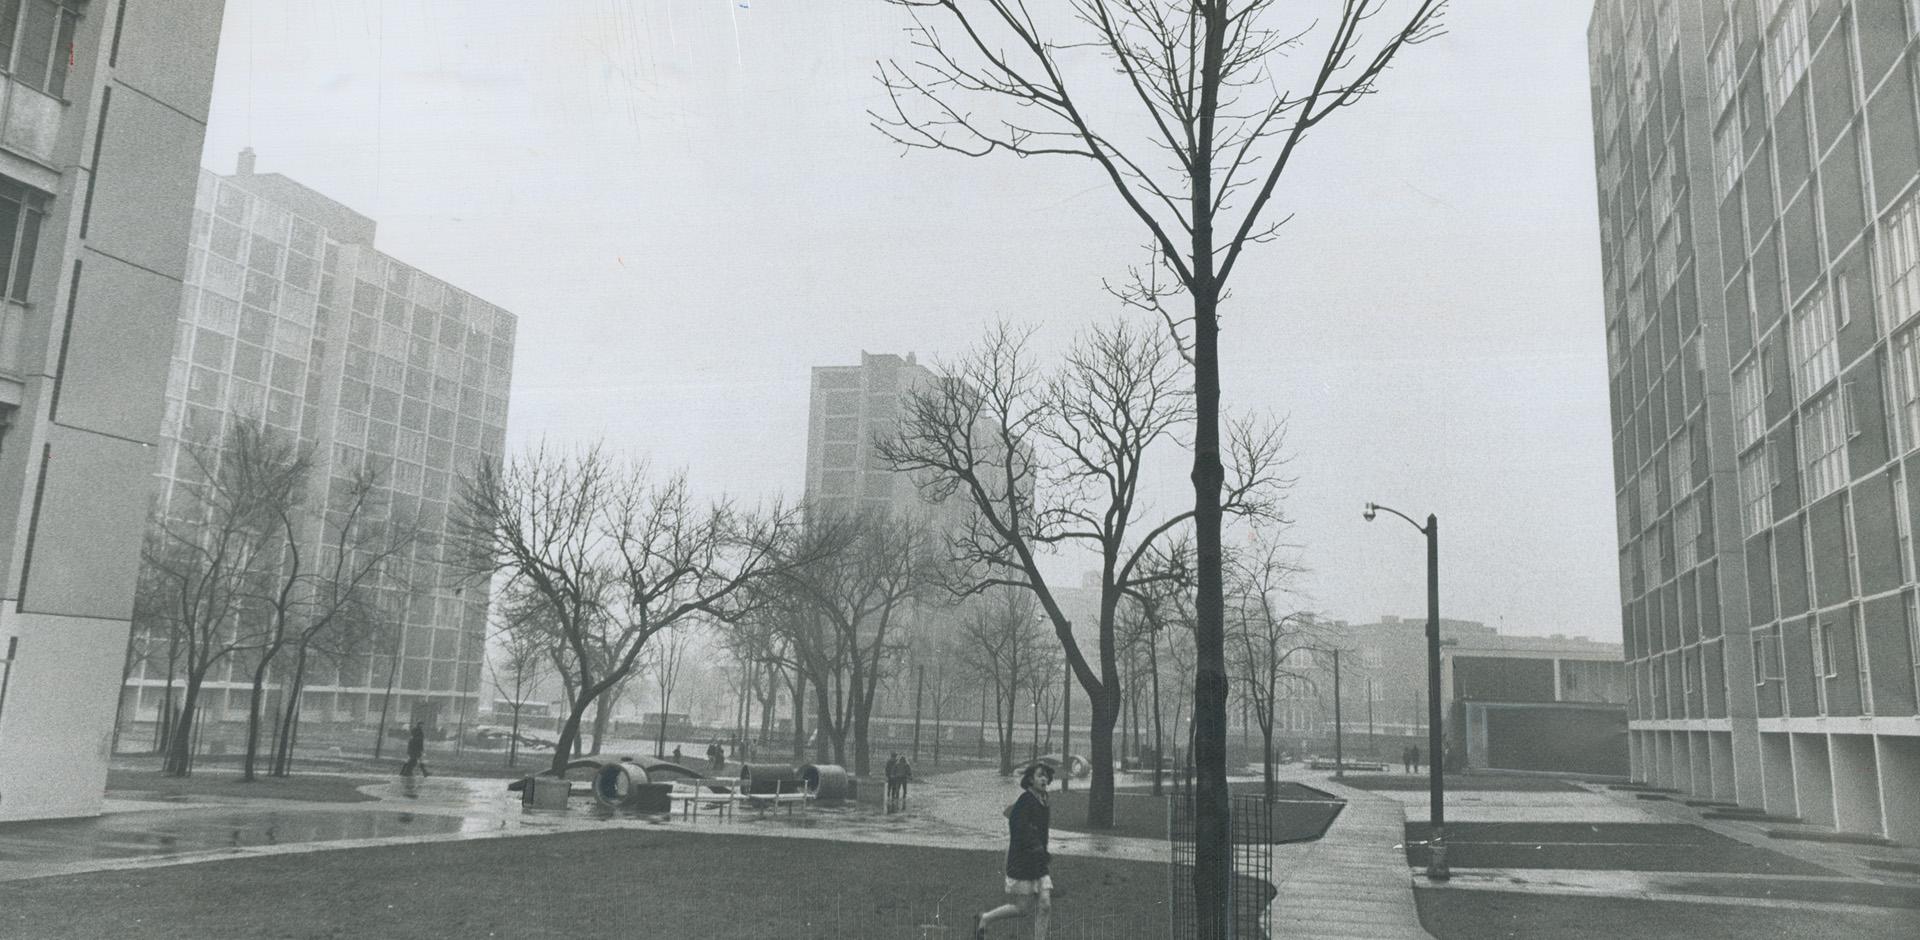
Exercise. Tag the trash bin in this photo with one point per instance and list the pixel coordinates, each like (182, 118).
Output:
(545, 792)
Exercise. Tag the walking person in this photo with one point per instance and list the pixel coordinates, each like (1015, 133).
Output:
(416, 749)
(906, 777)
(1029, 886)
(1413, 758)
(893, 781)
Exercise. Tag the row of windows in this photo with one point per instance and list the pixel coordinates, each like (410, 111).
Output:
(1834, 642)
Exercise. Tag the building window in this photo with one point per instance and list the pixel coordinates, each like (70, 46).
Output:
(1823, 444)
(1726, 149)
(1860, 664)
(1897, 256)
(1756, 491)
(1786, 51)
(1680, 462)
(1823, 666)
(21, 210)
(1902, 527)
(1767, 666)
(1686, 536)
(1649, 495)
(1749, 399)
(1904, 376)
(1666, 255)
(1815, 359)
(1913, 636)
(36, 42)
(1720, 71)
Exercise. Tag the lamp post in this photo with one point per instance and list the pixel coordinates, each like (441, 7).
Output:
(1437, 788)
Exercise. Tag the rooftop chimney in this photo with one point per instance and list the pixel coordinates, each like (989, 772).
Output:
(244, 166)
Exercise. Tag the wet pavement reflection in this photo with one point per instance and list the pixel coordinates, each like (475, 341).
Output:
(175, 832)
(955, 812)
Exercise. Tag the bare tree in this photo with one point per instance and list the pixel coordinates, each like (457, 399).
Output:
(1264, 635)
(1001, 639)
(1202, 79)
(324, 604)
(520, 657)
(669, 656)
(205, 554)
(614, 559)
(868, 571)
(1053, 461)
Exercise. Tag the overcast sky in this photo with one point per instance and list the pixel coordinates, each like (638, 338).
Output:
(683, 203)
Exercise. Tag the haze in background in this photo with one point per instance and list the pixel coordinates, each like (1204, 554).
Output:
(682, 201)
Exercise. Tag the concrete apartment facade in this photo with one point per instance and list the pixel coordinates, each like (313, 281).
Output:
(291, 317)
(846, 407)
(103, 110)
(1760, 233)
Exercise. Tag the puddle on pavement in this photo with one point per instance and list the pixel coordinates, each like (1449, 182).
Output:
(142, 835)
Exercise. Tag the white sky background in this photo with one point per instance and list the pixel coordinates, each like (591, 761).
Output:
(683, 203)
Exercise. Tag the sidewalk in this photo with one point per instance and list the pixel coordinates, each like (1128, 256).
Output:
(1354, 883)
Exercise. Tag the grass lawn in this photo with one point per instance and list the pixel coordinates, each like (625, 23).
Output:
(1144, 816)
(627, 883)
(226, 782)
(1461, 782)
(1491, 915)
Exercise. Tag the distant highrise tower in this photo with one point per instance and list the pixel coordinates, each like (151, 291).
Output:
(1760, 233)
(103, 109)
(292, 317)
(848, 408)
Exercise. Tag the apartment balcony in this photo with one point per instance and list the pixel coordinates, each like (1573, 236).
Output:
(13, 325)
(29, 121)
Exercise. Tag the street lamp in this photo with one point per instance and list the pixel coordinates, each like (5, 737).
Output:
(1437, 788)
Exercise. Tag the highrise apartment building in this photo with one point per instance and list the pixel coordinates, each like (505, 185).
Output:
(293, 318)
(847, 407)
(1760, 231)
(103, 109)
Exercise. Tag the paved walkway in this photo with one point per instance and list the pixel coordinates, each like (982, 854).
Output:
(1354, 884)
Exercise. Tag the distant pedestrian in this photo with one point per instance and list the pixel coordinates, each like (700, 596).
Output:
(906, 777)
(892, 773)
(1029, 886)
(676, 755)
(1413, 759)
(416, 749)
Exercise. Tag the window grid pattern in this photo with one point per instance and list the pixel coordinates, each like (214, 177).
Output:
(422, 383)
(1749, 400)
(1680, 462)
(1904, 376)
(1816, 360)
(1786, 50)
(1756, 492)
(1913, 636)
(1823, 442)
(1727, 152)
(1897, 259)
(1686, 536)
(1902, 528)
(1720, 71)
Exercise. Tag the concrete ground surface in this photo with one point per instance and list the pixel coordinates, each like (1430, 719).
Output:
(1624, 878)
(1348, 885)
(1357, 882)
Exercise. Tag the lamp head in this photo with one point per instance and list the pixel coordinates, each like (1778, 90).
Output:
(1368, 515)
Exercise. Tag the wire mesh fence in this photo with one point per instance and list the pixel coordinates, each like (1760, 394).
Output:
(1250, 890)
